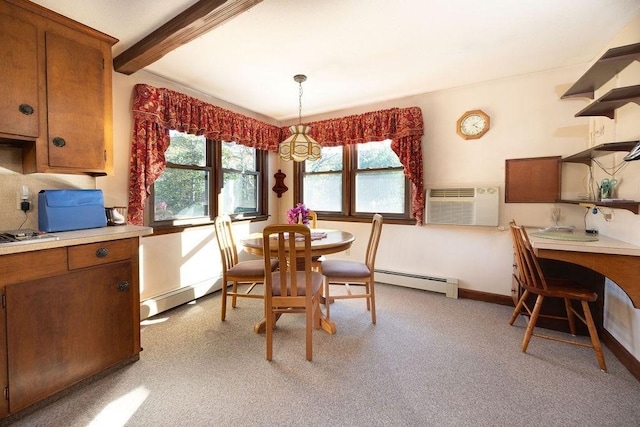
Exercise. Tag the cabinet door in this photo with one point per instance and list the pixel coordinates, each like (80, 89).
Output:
(75, 104)
(19, 107)
(532, 180)
(63, 329)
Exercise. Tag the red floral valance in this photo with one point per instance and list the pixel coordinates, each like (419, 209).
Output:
(403, 126)
(156, 110)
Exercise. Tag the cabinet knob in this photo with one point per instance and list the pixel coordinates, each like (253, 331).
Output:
(123, 286)
(26, 109)
(102, 252)
(59, 142)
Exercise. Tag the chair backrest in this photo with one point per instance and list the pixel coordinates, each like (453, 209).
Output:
(313, 219)
(374, 239)
(531, 275)
(288, 243)
(226, 243)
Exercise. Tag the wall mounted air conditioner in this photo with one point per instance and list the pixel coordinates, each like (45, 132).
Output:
(463, 206)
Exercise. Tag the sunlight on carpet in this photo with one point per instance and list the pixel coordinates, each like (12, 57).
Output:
(120, 410)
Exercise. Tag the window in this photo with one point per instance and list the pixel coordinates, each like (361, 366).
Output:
(356, 181)
(187, 191)
(241, 180)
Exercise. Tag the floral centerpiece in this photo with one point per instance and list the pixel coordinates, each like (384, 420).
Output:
(299, 214)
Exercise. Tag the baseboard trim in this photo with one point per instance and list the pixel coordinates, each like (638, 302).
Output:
(622, 354)
(485, 296)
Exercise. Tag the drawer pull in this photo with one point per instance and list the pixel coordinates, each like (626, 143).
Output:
(102, 252)
(59, 142)
(26, 109)
(123, 286)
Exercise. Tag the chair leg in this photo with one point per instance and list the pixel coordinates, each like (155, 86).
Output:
(532, 323)
(234, 298)
(367, 289)
(518, 309)
(327, 303)
(308, 327)
(593, 332)
(270, 320)
(223, 311)
(372, 297)
(571, 318)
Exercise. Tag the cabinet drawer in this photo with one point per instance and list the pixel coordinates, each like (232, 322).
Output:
(33, 265)
(83, 256)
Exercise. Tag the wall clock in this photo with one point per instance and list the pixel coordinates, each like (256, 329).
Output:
(473, 124)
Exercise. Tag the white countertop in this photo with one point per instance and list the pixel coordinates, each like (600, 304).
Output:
(604, 245)
(78, 237)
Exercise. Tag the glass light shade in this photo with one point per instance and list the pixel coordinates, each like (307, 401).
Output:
(299, 146)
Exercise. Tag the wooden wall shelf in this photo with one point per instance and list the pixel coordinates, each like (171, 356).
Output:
(615, 98)
(586, 156)
(611, 63)
(630, 205)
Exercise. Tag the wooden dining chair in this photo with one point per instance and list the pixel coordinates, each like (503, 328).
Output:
(240, 273)
(534, 282)
(290, 290)
(313, 220)
(316, 261)
(346, 272)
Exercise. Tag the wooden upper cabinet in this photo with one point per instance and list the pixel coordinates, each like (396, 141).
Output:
(75, 104)
(62, 70)
(19, 107)
(533, 180)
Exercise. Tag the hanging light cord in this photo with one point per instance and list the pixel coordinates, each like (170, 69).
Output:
(300, 104)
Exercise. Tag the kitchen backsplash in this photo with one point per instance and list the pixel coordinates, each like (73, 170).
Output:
(12, 180)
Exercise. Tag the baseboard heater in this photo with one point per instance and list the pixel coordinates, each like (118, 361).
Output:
(443, 285)
(155, 305)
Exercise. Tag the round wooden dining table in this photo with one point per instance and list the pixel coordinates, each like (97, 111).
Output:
(333, 241)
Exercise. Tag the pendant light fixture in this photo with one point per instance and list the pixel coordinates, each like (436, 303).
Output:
(299, 146)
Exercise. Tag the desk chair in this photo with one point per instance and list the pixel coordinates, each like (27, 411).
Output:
(533, 281)
(238, 272)
(290, 290)
(343, 273)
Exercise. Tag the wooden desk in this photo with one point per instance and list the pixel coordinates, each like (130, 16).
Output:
(336, 241)
(615, 259)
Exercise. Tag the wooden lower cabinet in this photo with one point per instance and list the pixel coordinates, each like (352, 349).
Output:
(65, 328)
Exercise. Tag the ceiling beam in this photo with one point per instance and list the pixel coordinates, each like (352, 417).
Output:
(185, 27)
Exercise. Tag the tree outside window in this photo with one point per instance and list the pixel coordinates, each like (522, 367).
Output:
(197, 171)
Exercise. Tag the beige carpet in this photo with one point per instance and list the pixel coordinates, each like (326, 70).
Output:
(430, 360)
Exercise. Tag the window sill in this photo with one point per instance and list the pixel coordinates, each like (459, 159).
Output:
(179, 228)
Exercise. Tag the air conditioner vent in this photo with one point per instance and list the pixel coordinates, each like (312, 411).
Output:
(452, 192)
(463, 206)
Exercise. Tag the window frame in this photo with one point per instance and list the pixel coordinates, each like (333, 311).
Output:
(213, 165)
(349, 172)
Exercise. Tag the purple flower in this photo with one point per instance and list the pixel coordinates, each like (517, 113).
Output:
(299, 214)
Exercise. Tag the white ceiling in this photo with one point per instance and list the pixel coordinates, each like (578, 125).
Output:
(356, 52)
